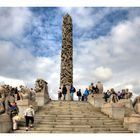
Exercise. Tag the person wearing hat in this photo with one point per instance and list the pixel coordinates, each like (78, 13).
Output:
(29, 116)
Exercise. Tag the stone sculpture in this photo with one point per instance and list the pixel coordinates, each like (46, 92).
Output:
(39, 85)
(24, 92)
(113, 97)
(41, 89)
(127, 94)
(136, 104)
(99, 85)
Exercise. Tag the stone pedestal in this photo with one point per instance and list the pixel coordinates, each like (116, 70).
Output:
(5, 123)
(96, 100)
(132, 123)
(68, 93)
(42, 97)
(128, 106)
(137, 108)
(127, 103)
(114, 110)
(24, 104)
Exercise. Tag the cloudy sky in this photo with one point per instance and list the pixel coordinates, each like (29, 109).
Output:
(106, 44)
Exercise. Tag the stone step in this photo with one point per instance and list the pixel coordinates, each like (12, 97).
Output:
(80, 126)
(94, 124)
(74, 129)
(72, 114)
(73, 117)
(58, 131)
(79, 121)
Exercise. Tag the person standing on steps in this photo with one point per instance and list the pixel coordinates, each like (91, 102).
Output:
(64, 92)
(79, 94)
(29, 116)
(72, 90)
(59, 93)
(86, 93)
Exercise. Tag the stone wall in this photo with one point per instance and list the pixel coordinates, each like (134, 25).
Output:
(5, 123)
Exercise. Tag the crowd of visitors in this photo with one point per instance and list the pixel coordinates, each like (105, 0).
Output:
(92, 89)
(123, 94)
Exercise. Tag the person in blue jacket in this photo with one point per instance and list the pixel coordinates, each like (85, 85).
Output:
(72, 90)
(86, 93)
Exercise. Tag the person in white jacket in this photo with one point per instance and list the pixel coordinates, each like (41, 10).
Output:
(29, 116)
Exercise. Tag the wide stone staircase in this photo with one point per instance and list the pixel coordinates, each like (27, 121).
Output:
(72, 117)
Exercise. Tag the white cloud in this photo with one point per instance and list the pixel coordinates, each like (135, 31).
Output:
(11, 82)
(103, 74)
(13, 21)
(119, 51)
(19, 63)
(86, 17)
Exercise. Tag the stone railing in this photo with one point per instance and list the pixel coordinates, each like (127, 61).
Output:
(121, 110)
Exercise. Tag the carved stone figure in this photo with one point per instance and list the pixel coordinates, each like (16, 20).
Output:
(136, 104)
(99, 85)
(33, 95)
(6, 97)
(41, 89)
(39, 85)
(127, 94)
(24, 92)
(113, 97)
(2, 100)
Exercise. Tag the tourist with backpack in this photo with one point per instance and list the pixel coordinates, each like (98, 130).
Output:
(64, 92)
(86, 93)
(79, 94)
(29, 116)
(72, 90)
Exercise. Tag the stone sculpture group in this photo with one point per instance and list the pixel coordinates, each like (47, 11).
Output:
(28, 96)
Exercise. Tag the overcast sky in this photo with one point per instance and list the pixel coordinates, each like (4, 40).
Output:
(106, 44)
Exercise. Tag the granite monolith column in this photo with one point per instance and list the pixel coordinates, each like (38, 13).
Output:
(66, 75)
